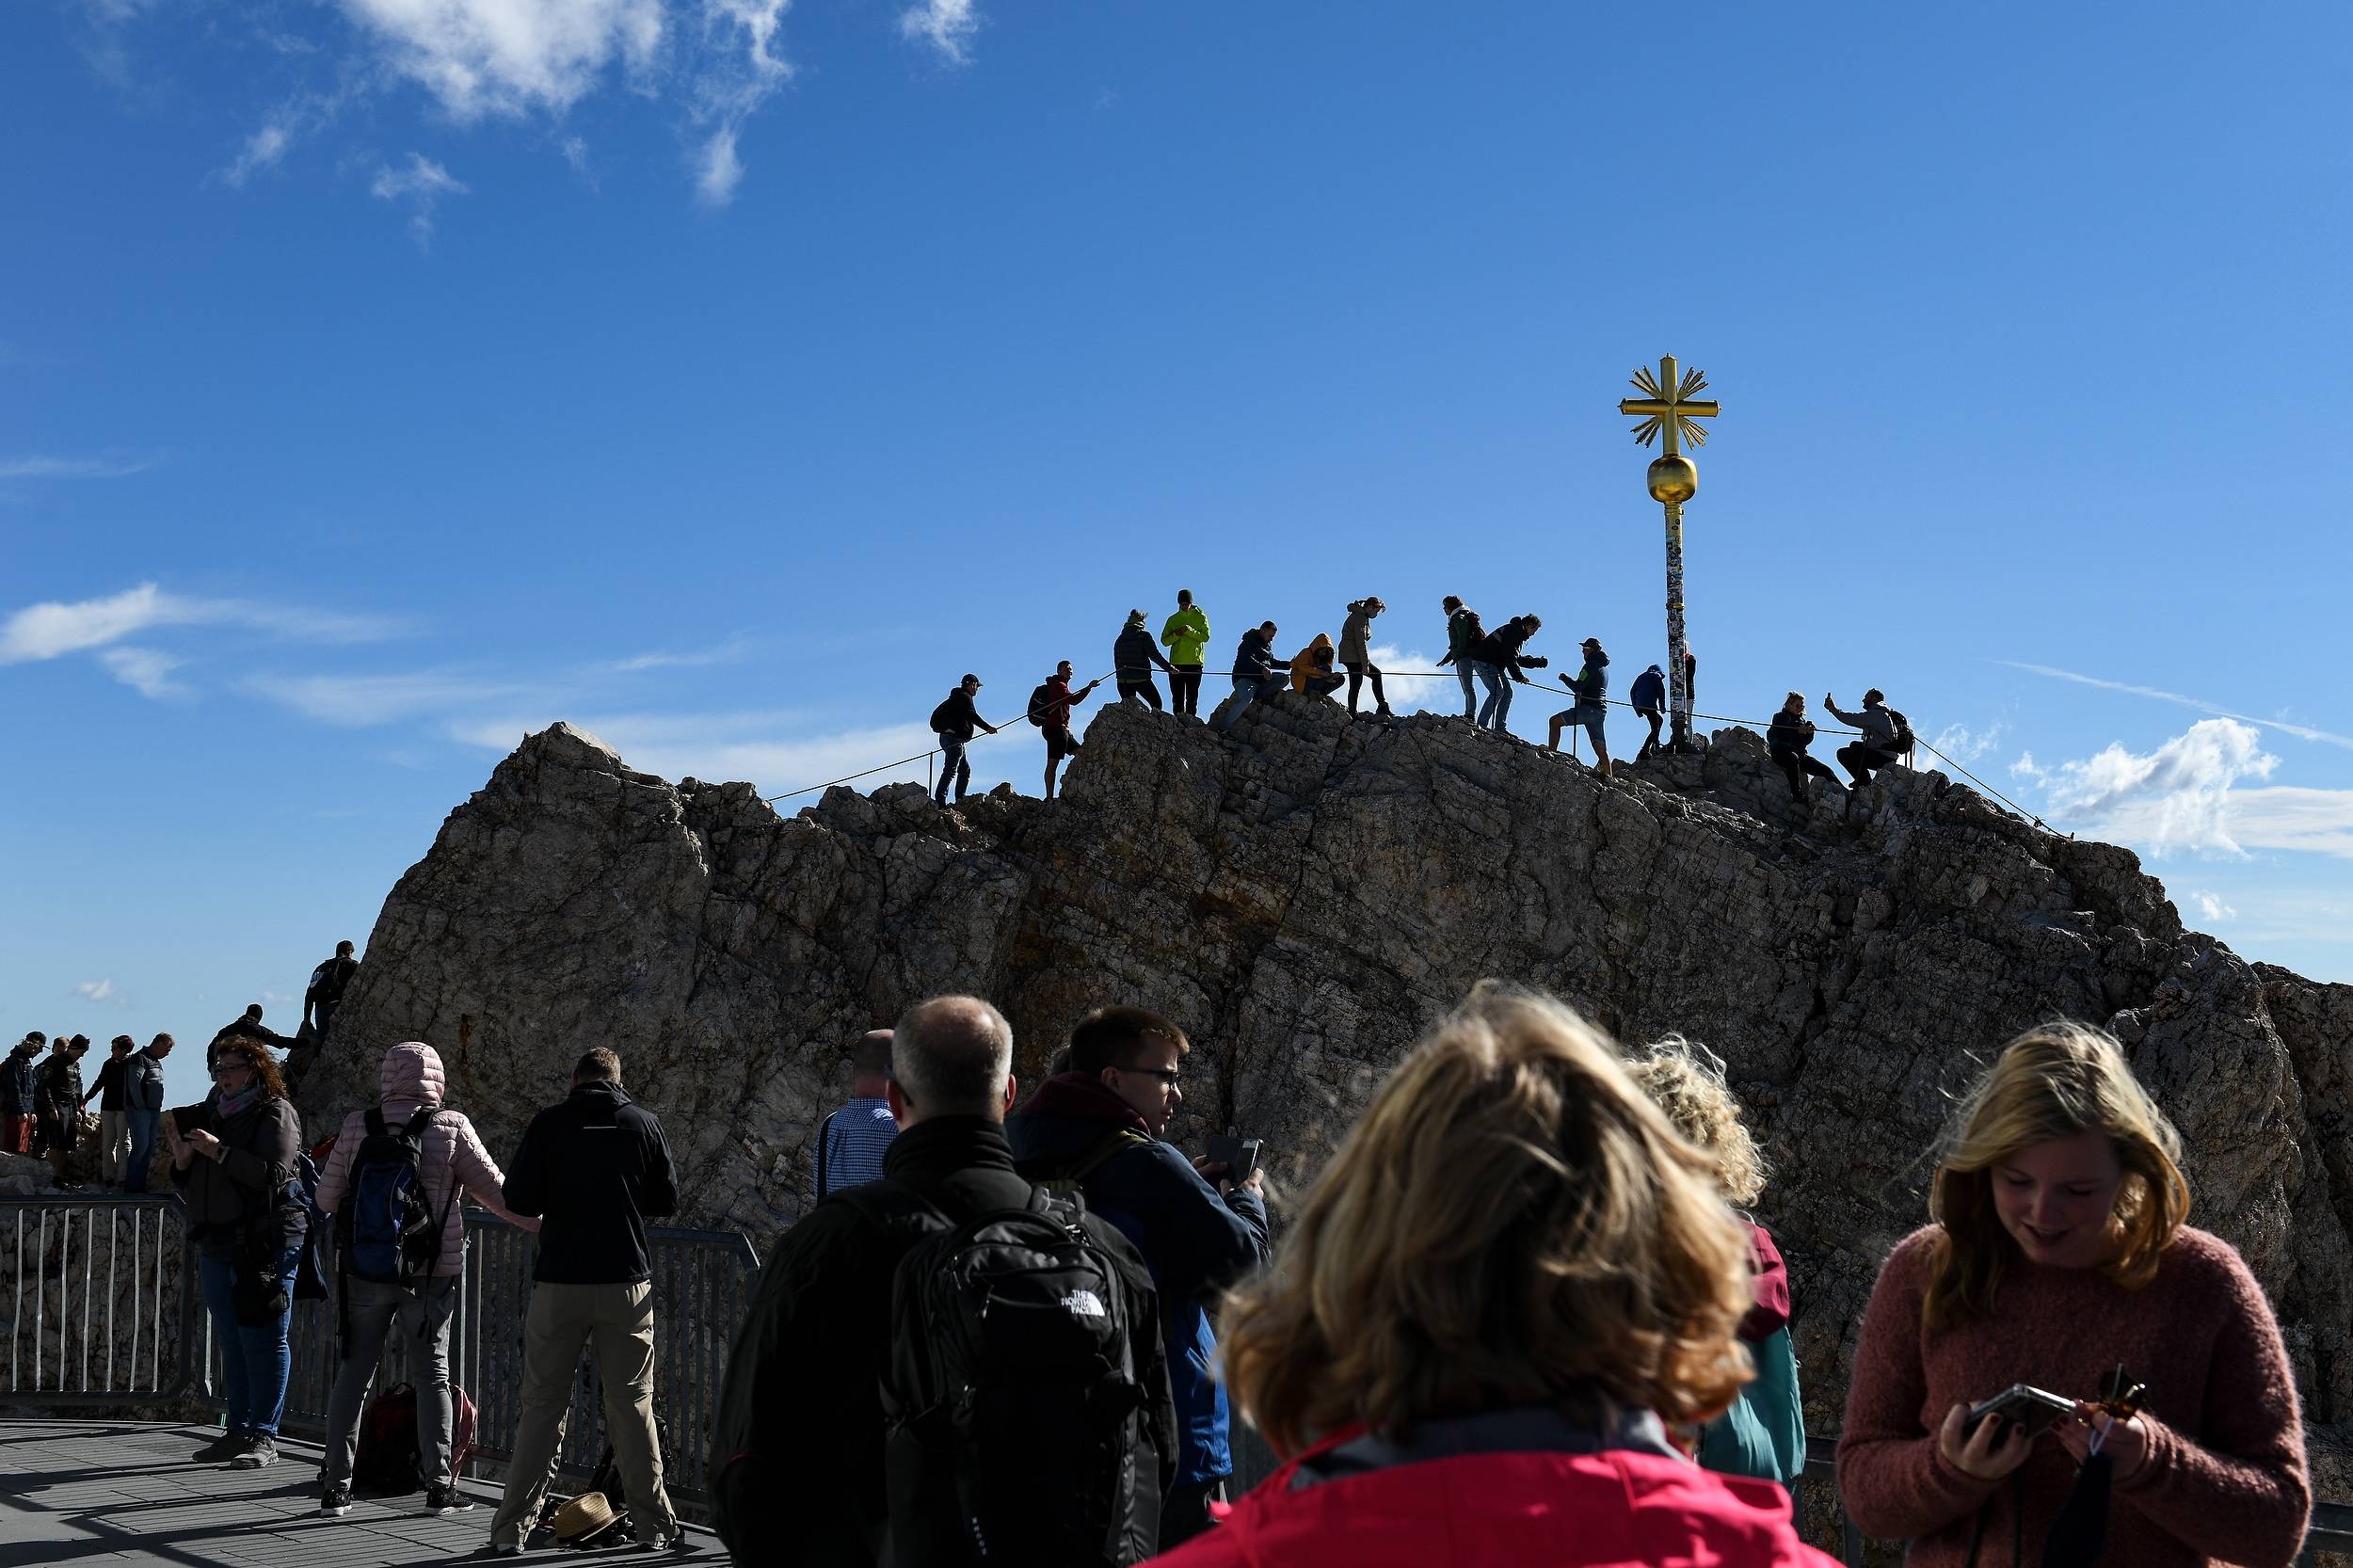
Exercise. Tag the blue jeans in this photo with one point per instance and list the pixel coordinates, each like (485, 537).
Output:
(1470, 692)
(255, 1359)
(1495, 713)
(1247, 690)
(953, 767)
(144, 1124)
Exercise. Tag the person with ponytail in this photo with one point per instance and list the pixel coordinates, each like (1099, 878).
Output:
(2057, 1254)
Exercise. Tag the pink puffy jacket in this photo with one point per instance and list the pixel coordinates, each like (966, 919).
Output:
(412, 1079)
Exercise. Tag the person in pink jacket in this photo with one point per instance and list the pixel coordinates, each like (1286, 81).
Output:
(455, 1167)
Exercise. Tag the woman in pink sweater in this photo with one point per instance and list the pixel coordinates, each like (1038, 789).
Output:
(2058, 1252)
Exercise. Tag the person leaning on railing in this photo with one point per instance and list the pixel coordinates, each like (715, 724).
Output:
(2057, 1254)
(232, 1159)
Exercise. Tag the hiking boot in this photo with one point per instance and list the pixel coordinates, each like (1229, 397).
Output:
(446, 1500)
(335, 1501)
(260, 1449)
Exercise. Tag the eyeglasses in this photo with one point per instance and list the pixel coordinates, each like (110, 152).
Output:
(1166, 1075)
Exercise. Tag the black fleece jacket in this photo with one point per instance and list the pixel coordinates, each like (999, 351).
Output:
(593, 1169)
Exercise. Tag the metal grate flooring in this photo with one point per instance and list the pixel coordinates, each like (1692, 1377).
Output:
(80, 1494)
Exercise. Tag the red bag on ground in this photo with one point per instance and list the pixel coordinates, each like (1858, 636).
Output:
(386, 1463)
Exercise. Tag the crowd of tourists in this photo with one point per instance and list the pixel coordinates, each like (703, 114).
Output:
(1489, 665)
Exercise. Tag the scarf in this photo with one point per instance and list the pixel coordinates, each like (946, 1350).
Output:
(237, 1104)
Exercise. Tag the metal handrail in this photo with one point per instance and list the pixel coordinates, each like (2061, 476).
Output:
(701, 1282)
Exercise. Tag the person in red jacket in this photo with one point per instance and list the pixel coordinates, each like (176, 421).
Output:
(1054, 716)
(1507, 1282)
(2057, 1252)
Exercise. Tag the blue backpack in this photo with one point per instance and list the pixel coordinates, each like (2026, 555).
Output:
(302, 1192)
(384, 1229)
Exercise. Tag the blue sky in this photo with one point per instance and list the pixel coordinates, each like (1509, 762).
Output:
(382, 379)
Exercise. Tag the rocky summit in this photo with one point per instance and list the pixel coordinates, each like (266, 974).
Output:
(1306, 895)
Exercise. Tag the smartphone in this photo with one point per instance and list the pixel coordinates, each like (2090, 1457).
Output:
(2029, 1407)
(1239, 1155)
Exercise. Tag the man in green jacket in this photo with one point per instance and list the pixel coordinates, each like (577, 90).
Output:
(1185, 634)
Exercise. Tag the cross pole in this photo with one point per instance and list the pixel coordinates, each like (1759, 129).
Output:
(1670, 408)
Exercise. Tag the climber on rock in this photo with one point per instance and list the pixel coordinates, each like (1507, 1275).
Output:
(1049, 710)
(1497, 661)
(1649, 697)
(1356, 654)
(1187, 635)
(952, 723)
(1879, 724)
(1591, 686)
(1254, 674)
(1311, 668)
(1463, 631)
(1786, 740)
(1133, 658)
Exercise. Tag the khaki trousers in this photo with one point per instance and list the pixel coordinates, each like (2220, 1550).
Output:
(113, 1143)
(616, 1321)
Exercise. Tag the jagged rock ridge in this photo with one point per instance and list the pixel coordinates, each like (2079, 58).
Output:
(1307, 895)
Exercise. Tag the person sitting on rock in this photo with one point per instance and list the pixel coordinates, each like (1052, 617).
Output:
(1785, 741)
(1255, 676)
(2056, 1249)
(1763, 1434)
(1649, 697)
(1877, 749)
(1055, 699)
(1497, 660)
(1356, 654)
(1133, 654)
(1591, 686)
(1508, 1282)
(1311, 668)
(1462, 631)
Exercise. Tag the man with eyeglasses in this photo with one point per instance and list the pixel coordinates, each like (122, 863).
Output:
(1100, 1125)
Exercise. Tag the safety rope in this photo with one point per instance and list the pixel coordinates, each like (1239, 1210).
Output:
(1031, 712)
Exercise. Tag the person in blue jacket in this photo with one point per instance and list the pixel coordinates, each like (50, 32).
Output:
(1099, 1126)
(1649, 697)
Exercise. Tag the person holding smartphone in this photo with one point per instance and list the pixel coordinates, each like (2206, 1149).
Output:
(2058, 1252)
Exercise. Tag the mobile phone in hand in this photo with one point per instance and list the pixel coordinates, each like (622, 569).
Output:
(1239, 1155)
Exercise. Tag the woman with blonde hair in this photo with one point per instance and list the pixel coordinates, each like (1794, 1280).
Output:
(2057, 1254)
(1505, 1282)
(1763, 1434)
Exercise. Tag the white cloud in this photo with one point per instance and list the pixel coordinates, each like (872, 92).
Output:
(725, 653)
(263, 150)
(1963, 745)
(48, 629)
(947, 25)
(144, 670)
(511, 58)
(1433, 694)
(2174, 798)
(741, 70)
(717, 170)
(67, 468)
(421, 185)
(755, 746)
(2211, 908)
(357, 701)
(101, 991)
(2300, 730)
(2287, 817)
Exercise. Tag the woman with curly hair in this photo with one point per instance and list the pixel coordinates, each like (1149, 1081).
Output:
(1763, 1434)
(1508, 1278)
(2055, 1252)
(232, 1159)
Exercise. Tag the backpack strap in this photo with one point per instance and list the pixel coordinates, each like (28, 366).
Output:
(825, 1136)
(374, 1122)
(1118, 1142)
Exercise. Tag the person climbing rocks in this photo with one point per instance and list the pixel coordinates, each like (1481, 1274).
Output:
(1786, 740)
(1356, 654)
(1591, 686)
(1050, 707)
(1186, 636)
(1133, 658)
(1497, 660)
(1462, 631)
(1255, 676)
(952, 723)
(1877, 748)
(325, 993)
(1649, 697)
(1311, 668)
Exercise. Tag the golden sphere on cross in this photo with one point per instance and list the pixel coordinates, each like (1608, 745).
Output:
(1674, 479)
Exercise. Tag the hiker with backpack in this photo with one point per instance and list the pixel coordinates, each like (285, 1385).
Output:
(952, 723)
(1098, 1127)
(1462, 630)
(1049, 710)
(593, 1168)
(233, 1158)
(840, 1440)
(1133, 654)
(397, 1186)
(1886, 735)
(1186, 633)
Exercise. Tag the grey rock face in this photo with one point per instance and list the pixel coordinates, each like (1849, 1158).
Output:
(1307, 895)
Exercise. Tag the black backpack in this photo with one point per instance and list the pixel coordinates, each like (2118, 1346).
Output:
(1903, 742)
(384, 1229)
(1014, 1424)
(1040, 700)
(943, 720)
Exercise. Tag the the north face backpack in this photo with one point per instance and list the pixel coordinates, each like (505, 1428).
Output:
(386, 1230)
(386, 1461)
(1040, 700)
(1014, 1419)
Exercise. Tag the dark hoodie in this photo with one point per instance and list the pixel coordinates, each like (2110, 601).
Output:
(1195, 1240)
(593, 1170)
(1650, 690)
(1134, 653)
(1501, 647)
(1253, 656)
(1592, 684)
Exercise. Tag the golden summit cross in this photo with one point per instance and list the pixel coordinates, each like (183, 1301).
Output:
(1667, 402)
(1670, 408)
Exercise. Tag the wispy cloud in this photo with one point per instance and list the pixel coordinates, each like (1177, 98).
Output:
(509, 58)
(946, 26)
(144, 670)
(2210, 908)
(263, 150)
(421, 185)
(360, 702)
(2185, 798)
(101, 992)
(2301, 730)
(71, 468)
(725, 653)
(741, 71)
(1965, 744)
(761, 746)
(47, 630)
